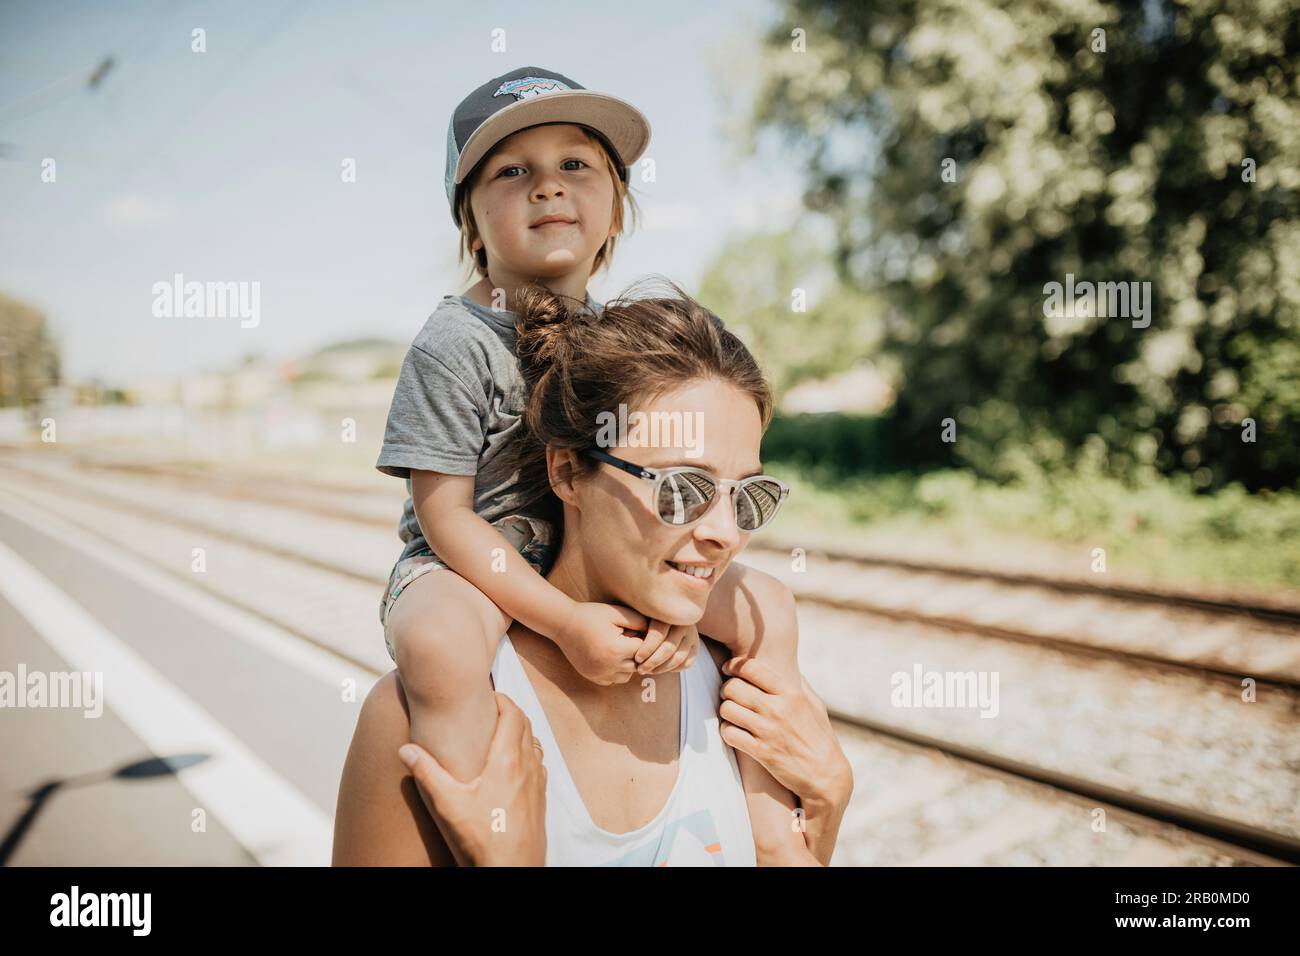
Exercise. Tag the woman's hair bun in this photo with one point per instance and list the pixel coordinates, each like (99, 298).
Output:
(543, 327)
(580, 363)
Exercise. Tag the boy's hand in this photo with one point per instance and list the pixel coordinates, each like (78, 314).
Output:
(594, 640)
(667, 648)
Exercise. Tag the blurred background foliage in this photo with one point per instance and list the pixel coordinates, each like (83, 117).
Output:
(29, 355)
(1115, 164)
(757, 276)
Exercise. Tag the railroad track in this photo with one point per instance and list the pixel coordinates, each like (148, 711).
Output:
(1232, 833)
(381, 505)
(1213, 637)
(381, 508)
(1222, 830)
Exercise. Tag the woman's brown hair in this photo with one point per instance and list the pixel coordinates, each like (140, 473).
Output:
(577, 364)
(622, 194)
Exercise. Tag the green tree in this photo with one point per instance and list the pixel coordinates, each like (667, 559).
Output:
(1152, 142)
(776, 292)
(29, 358)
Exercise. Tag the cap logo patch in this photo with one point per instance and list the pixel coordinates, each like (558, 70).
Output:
(526, 87)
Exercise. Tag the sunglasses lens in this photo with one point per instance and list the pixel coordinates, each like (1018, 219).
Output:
(685, 496)
(756, 504)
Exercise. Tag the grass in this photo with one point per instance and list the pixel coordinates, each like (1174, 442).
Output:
(1156, 530)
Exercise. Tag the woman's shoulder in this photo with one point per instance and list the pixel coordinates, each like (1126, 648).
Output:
(381, 819)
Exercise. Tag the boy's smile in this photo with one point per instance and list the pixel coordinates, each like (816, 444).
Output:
(544, 204)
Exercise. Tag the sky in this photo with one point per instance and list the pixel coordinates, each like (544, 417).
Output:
(224, 166)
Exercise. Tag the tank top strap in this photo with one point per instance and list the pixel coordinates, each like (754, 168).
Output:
(509, 678)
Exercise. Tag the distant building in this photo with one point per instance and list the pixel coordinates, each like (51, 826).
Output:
(861, 389)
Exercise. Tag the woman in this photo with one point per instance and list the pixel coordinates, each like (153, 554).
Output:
(639, 772)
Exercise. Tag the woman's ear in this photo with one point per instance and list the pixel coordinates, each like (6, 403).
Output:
(561, 468)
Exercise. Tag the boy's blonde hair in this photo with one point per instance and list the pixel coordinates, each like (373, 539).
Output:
(622, 194)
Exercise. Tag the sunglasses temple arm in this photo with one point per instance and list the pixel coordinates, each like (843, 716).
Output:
(620, 464)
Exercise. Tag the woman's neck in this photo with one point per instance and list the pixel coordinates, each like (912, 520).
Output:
(570, 575)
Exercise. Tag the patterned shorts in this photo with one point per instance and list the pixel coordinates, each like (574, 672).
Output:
(533, 538)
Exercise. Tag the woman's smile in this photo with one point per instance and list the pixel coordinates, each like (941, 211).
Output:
(699, 576)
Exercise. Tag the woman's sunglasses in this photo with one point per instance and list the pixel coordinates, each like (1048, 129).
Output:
(683, 495)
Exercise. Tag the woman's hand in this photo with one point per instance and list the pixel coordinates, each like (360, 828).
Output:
(499, 817)
(787, 729)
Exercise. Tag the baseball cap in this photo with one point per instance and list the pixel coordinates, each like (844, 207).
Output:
(530, 96)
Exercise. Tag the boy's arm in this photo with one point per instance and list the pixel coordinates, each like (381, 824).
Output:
(444, 508)
(778, 841)
(753, 614)
(822, 819)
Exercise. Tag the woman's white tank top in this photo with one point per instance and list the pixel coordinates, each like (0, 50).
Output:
(705, 821)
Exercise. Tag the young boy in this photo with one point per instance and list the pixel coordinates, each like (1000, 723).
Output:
(537, 174)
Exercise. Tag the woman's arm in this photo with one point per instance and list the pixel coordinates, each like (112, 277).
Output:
(381, 819)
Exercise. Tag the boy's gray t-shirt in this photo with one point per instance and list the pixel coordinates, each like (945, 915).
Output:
(458, 403)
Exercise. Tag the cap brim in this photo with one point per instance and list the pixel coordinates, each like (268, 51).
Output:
(625, 126)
